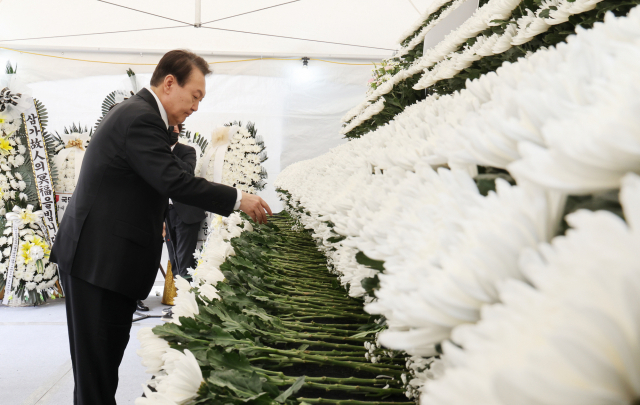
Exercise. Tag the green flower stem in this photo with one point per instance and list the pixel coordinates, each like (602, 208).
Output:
(340, 358)
(307, 283)
(351, 364)
(310, 318)
(310, 300)
(344, 381)
(315, 304)
(323, 344)
(275, 376)
(305, 293)
(303, 327)
(298, 249)
(294, 263)
(302, 272)
(314, 293)
(357, 388)
(324, 336)
(327, 312)
(370, 367)
(321, 265)
(300, 293)
(349, 402)
(297, 275)
(340, 325)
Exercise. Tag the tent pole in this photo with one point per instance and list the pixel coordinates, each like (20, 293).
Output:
(198, 23)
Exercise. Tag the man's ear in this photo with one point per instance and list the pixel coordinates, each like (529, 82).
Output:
(169, 81)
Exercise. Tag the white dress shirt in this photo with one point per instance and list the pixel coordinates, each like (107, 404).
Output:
(163, 115)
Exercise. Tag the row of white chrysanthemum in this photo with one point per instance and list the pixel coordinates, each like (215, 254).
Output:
(541, 117)
(448, 251)
(442, 62)
(481, 20)
(177, 375)
(418, 39)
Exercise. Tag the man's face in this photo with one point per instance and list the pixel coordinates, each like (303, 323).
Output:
(181, 101)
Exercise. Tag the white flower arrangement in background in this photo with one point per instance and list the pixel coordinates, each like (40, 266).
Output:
(34, 277)
(68, 160)
(243, 158)
(11, 189)
(243, 163)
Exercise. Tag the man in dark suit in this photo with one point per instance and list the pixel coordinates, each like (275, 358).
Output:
(183, 221)
(109, 244)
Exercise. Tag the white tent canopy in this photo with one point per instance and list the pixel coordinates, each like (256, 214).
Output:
(296, 110)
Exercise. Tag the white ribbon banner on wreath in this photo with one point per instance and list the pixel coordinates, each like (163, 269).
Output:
(41, 169)
(62, 200)
(217, 154)
(14, 218)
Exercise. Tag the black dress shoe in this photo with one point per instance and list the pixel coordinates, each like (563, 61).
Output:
(141, 306)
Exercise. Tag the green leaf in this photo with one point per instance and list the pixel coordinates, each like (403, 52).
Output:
(336, 239)
(370, 284)
(487, 182)
(367, 332)
(369, 262)
(291, 390)
(170, 329)
(231, 361)
(241, 385)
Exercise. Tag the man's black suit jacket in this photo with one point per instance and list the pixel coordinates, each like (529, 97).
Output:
(111, 233)
(187, 213)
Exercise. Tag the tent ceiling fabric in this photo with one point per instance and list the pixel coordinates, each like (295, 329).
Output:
(373, 23)
(297, 110)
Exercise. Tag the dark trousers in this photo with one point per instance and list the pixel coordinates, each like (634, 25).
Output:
(99, 323)
(181, 243)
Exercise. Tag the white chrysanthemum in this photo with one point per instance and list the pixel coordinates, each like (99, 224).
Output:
(153, 398)
(183, 379)
(573, 340)
(209, 292)
(185, 305)
(152, 348)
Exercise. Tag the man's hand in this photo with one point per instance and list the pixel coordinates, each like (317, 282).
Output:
(164, 230)
(255, 207)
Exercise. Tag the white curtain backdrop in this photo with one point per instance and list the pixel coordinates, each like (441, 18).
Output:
(297, 111)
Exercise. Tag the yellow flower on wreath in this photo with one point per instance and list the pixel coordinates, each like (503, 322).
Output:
(28, 217)
(5, 146)
(24, 251)
(217, 221)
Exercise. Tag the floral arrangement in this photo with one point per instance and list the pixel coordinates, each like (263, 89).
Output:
(243, 159)
(34, 278)
(243, 162)
(129, 87)
(381, 74)
(71, 146)
(251, 313)
(446, 226)
(500, 31)
(18, 193)
(12, 149)
(448, 221)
